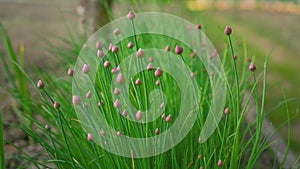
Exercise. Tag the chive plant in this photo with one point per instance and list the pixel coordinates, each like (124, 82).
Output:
(234, 144)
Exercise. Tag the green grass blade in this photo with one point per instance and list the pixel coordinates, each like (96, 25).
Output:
(289, 132)
(9, 49)
(7, 71)
(22, 87)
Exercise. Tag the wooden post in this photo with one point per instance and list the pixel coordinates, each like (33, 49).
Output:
(101, 14)
(93, 14)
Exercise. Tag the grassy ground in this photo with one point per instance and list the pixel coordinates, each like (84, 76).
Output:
(274, 33)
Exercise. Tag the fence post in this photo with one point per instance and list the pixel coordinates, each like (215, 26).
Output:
(93, 14)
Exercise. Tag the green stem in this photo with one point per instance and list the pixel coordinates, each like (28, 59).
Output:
(2, 160)
(258, 129)
(259, 118)
(236, 77)
(135, 38)
(236, 137)
(62, 129)
(97, 154)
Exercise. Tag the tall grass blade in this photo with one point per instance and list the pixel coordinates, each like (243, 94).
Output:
(23, 91)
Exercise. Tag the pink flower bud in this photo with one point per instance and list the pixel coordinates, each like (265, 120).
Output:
(124, 113)
(98, 45)
(220, 163)
(162, 105)
(235, 56)
(130, 45)
(211, 74)
(167, 48)
(47, 127)
(157, 82)
(117, 103)
(102, 132)
(90, 137)
(76, 100)
(178, 50)
(85, 69)
(120, 78)
(138, 82)
(139, 115)
(56, 105)
(131, 15)
(119, 133)
(163, 116)
(168, 118)
(40, 84)
(192, 74)
(193, 55)
(140, 53)
(114, 70)
(149, 66)
(158, 72)
(114, 49)
(116, 31)
(100, 54)
(151, 59)
(200, 140)
(70, 72)
(88, 94)
(157, 131)
(117, 91)
(227, 111)
(199, 26)
(252, 67)
(106, 64)
(100, 103)
(227, 30)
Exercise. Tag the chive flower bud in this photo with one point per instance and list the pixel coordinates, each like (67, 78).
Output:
(139, 115)
(86, 69)
(40, 84)
(178, 50)
(76, 100)
(56, 105)
(131, 15)
(227, 30)
(158, 72)
(90, 137)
